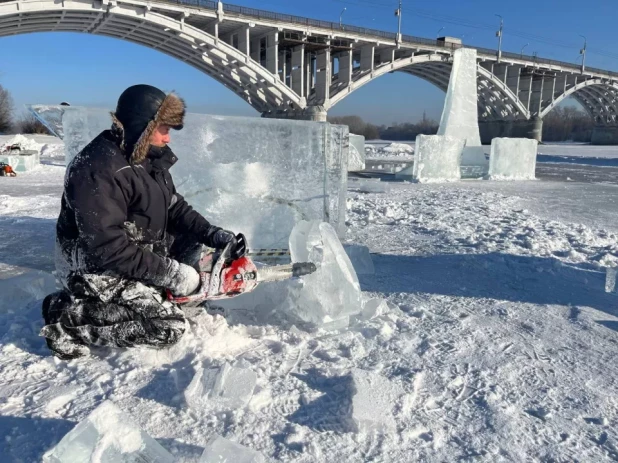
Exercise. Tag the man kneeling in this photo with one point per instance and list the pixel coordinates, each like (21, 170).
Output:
(124, 235)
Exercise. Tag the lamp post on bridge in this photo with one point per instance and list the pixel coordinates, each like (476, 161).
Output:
(398, 14)
(522, 50)
(341, 18)
(499, 35)
(583, 53)
(438, 34)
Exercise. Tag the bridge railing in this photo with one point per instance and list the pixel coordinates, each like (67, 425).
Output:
(336, 27)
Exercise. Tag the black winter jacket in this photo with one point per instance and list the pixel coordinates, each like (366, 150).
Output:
(116, 217)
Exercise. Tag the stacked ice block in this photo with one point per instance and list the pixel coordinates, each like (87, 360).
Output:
(21, 162)
(460, 114)
(251, 175)
(513, 159)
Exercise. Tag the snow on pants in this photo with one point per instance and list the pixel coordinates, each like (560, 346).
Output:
(109, 311)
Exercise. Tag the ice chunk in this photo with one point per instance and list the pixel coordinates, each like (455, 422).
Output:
(360, 258)
(398, 149)
(460, 117)
(356, 159)
(19, 291)
(222, 450)
(438, 159)
(226, 386)
(513, 159)
(252, 175)
(610, 279)
(333, 291)
(373, 401)
(107, 435)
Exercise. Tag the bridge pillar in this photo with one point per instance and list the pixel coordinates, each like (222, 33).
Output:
(310, 113)
(532, 128)
(604, 135)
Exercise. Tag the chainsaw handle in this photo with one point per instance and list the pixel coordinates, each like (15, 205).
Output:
(241, 247)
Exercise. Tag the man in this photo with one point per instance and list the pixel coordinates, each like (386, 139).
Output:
(124, 235)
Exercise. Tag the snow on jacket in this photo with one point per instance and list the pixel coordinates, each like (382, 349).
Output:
(116, 217)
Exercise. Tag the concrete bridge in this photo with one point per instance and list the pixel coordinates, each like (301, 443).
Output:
(294, 67)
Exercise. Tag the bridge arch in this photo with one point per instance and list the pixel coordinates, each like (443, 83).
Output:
(139, 24)
(599, 98)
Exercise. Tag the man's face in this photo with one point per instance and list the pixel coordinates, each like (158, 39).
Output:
(161, 136)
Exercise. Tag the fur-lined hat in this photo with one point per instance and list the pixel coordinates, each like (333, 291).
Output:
(140, 109)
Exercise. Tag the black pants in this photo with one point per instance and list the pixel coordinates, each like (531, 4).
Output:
(109, 311)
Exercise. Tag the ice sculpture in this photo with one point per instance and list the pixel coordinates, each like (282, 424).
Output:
(107, 435)
(332, 293)
(356, 159)
(360, 258)
(222, 450)
(252, 175)
(513, 159)
(226, 386)
(437, 159)
(460, 114)
(373, 401)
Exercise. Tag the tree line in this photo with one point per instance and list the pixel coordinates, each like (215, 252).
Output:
(562, 124)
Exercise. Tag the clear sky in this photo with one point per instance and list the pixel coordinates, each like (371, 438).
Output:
(83, 69)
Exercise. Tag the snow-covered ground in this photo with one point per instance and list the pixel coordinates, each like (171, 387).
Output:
(505, 344)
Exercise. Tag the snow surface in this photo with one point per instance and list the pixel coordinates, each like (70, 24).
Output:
(499, 333)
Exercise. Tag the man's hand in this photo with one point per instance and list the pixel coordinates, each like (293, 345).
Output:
(181, 279)
(223, 237)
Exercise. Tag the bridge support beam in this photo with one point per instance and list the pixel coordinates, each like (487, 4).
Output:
(310, 113)
(532, 128)
(605, 135)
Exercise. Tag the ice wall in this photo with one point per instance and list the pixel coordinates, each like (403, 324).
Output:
(460, 114)
(251, 175)
(437, 159)
(513, 159)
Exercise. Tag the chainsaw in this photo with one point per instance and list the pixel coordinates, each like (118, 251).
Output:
(224, 276)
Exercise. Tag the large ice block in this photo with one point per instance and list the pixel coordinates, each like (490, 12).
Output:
(356, 159)
(460, 113)
(226, 386)
(333, 291)
(21, 162)
(437, 159)
(107, 435)
(513, 159)
(22, 290)
(251, 175)
(50, 117)
(222, 450)
(373, 402)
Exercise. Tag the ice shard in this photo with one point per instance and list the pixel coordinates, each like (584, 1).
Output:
(460, 114)
(437, 159)
(50, 117)
(252, 175)
(226, 386)
(333, 292)
(107, 435)
(513, 159)
(222, 450)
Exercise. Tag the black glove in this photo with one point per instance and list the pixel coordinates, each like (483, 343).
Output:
(222, 238)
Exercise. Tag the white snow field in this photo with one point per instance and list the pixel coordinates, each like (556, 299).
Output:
(497, 342)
